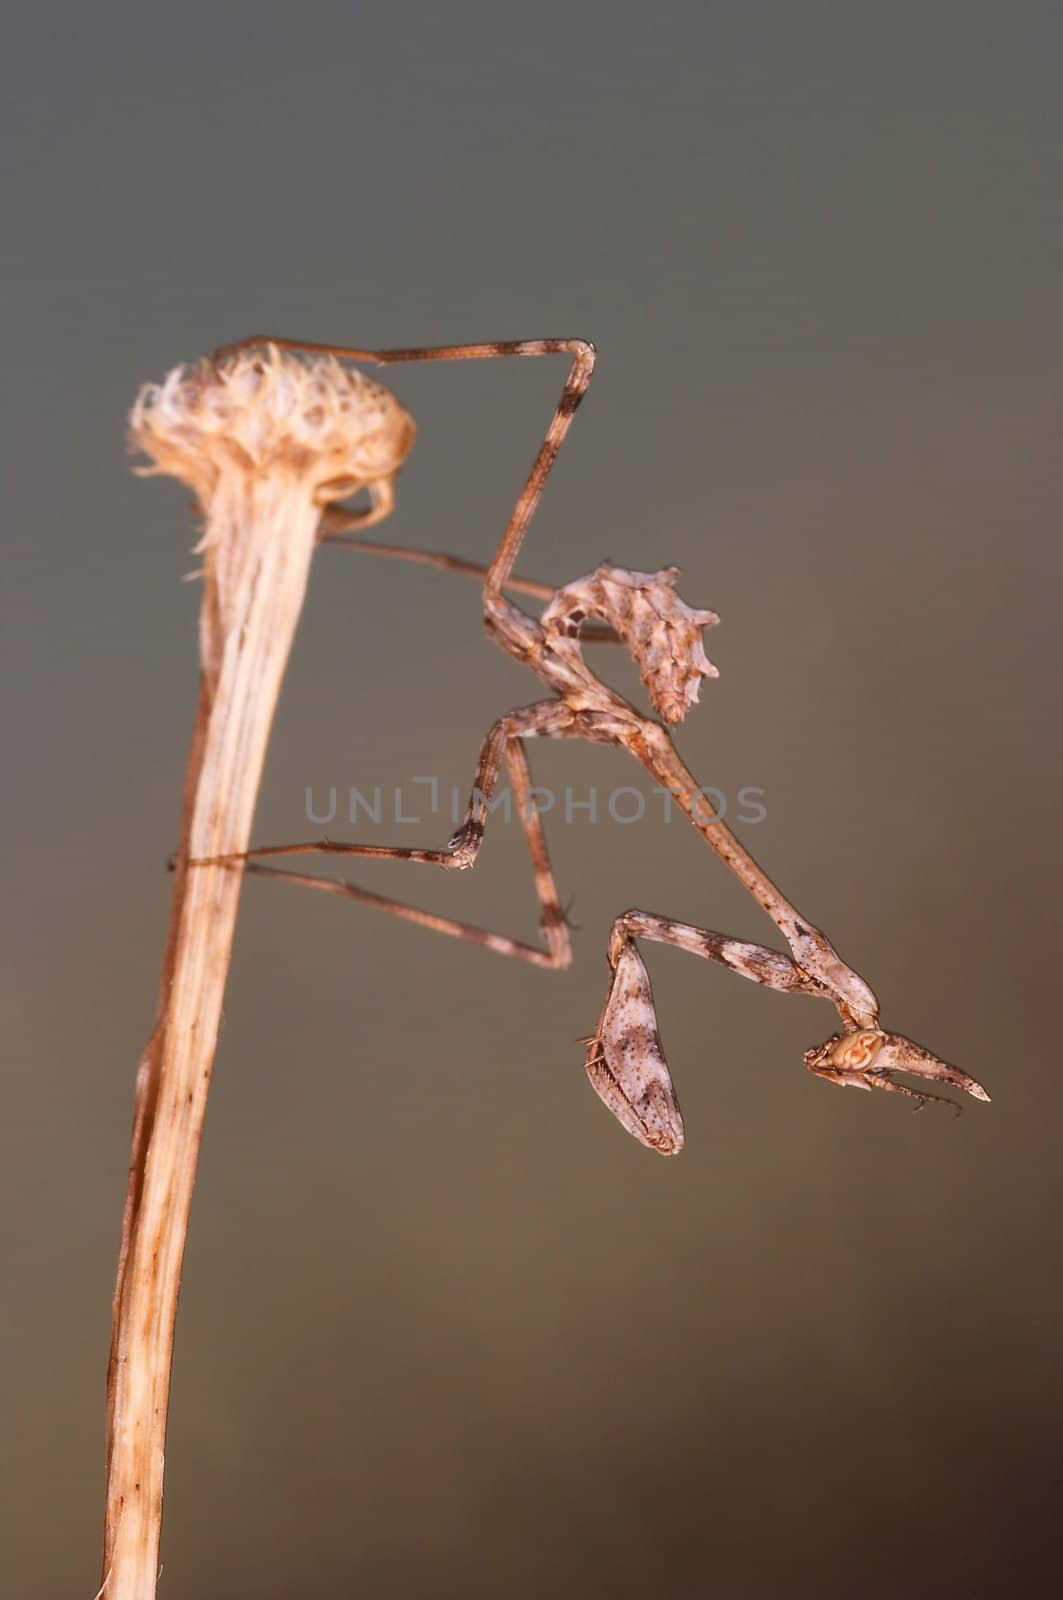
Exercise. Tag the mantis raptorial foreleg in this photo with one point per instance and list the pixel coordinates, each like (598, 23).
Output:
(626, 1062)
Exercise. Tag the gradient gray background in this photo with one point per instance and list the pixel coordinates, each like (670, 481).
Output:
(444, 1329)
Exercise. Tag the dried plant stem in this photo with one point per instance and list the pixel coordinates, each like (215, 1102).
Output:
(269, 541)
(259, 439)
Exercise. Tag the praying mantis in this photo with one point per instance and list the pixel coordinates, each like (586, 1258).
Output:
(641, 610)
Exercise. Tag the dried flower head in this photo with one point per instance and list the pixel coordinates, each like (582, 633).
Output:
(269, 411)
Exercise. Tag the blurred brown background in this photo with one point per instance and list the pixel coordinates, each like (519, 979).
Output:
(445, 1330)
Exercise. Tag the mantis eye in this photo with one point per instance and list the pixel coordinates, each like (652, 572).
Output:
(856, 1051)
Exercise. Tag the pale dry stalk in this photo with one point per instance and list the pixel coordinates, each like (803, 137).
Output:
(264, 440)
